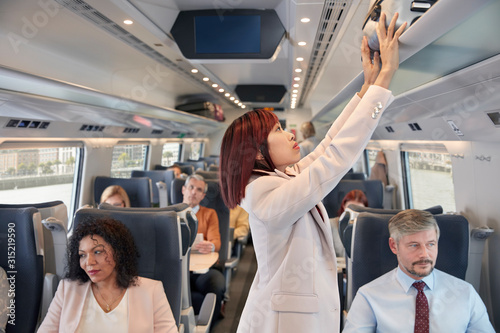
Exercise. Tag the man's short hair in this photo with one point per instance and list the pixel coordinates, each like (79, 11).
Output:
(197, 177)
(411, 221)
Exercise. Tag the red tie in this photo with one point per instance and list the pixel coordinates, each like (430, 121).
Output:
(421, 309)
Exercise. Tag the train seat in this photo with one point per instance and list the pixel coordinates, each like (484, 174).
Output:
(373, 189)
(189, 227)
(187, 169)
(211, 160)
(213, 167)
(21, 236)
(139, 190)
(160, 192)
(208, 174)
(354, 176)
(54, 218)
(157, 235)
(197, 164)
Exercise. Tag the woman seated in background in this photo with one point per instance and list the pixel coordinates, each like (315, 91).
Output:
(101, 291)
(115, 195)
(354, 197)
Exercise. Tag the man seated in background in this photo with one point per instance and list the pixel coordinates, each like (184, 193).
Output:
(415, 297)
(194, 191)
(177, 170)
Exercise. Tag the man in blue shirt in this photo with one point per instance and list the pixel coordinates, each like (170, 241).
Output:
(389, 303)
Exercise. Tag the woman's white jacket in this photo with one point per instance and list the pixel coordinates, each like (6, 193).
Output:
(295, 288)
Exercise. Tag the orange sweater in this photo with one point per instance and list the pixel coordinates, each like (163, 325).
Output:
(208, 225)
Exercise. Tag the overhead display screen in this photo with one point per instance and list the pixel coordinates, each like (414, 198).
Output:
(235, 34)
(227, 34)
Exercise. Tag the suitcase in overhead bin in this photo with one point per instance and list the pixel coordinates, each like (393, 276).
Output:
(204, 109)
(409, 11)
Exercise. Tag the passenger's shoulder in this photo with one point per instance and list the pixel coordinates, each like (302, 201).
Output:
(383, 281)
(207, 210)
(147, 283)
(450, 280)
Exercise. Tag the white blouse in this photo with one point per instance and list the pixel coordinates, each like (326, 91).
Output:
(95, 320)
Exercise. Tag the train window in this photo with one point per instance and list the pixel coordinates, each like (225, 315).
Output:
(40, 173)
(196, 150)
(128, 157)
(428, 178)
(170, 154)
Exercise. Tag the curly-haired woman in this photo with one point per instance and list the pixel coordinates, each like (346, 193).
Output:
(101, 291)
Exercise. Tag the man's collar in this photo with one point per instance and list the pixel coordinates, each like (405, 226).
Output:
(196, 209)
(406, 281)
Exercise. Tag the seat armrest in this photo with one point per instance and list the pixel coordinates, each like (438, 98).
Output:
(162, 194)
(181, 328)
(243, 240)
(206, 313)
(50, 283)
(232, 263)
(59, 237)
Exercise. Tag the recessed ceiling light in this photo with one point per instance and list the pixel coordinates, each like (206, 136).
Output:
(215, 85)
(227, 94)
(305, 20)
(296, 78)
(236, 101)
(299, 59)
(294, 95)
(301, 43)
(128, 22)
(221, 90)
(298, 70)
(231, 98)
(240, 104)
(296, 85)
(206, 79)
(243, 106)
(194, 70)
(295, 91)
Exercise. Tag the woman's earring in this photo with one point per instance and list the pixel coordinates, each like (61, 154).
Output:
(259, 156)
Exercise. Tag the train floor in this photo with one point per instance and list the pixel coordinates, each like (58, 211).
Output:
(240, 285)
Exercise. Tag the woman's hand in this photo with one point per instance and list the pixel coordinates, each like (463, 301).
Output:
(389, 49)
(371, 69)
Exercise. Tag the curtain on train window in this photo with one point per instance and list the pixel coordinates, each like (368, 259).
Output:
(128, 157)
(196, 150)
(171, 153)
(371, 152)
(34, 172)
(427, 176)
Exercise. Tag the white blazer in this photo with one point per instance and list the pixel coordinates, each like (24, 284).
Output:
(295, 288)
(148, 308)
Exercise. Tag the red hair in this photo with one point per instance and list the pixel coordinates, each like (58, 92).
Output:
(354, 195)
(243, 140)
